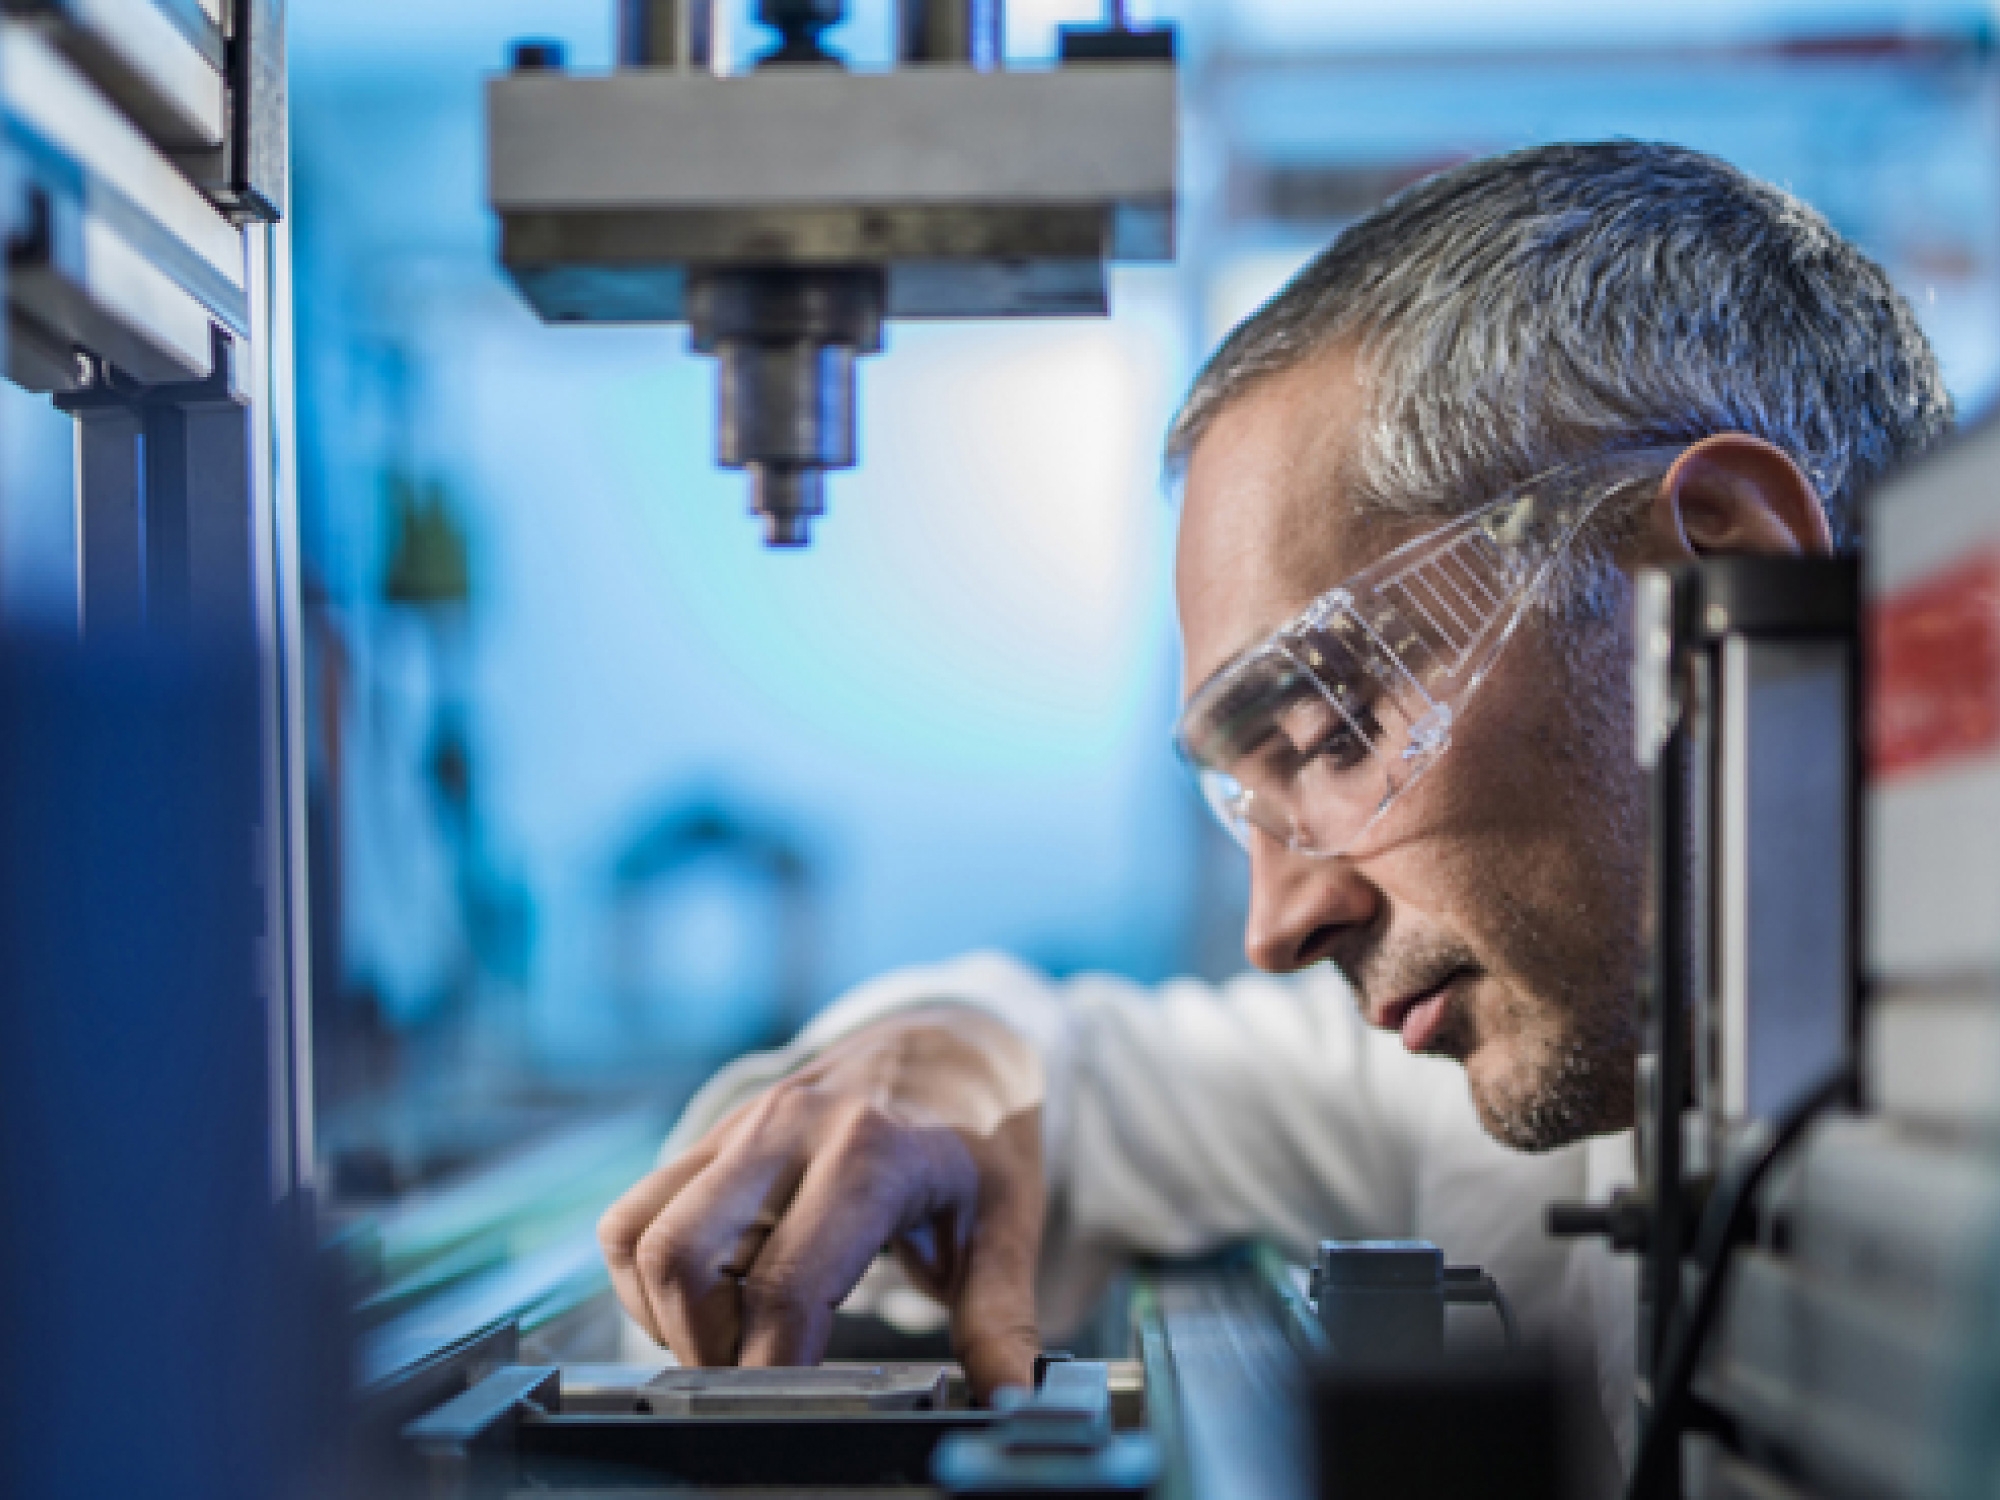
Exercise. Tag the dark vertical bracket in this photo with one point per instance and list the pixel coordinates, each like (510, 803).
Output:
(1747, 690)
(246, 176)
(164, 512)
(1673, 969)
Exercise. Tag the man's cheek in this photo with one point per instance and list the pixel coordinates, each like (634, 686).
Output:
(1497, 1041)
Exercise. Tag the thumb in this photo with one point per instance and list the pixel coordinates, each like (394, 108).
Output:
(993, 1324)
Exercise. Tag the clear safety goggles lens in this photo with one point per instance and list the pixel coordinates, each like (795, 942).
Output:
(1310, 736)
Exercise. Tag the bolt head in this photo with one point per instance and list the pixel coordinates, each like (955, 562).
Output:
(538, 55)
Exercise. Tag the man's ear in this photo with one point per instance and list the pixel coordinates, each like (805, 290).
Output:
(1737, 493)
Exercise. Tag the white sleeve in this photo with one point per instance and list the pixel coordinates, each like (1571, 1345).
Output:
(1184, 1116)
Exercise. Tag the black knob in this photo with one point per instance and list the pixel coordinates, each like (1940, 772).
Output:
(1626, 1220)
(1579, 1221)
(800, 25)
(538, 56)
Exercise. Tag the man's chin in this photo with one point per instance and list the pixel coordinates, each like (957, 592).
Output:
(1541, 1107)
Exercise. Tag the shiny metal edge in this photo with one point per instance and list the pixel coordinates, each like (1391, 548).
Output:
(54, 115)
(930, 136)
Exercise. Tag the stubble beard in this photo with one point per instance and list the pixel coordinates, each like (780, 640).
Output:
(1572, 1071)
(1560, 1088)
(1575, 1070)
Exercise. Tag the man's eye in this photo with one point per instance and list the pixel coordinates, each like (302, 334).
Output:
(1341, 747)
(1316, 731)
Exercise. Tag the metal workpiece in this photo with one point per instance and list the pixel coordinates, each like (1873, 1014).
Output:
(785, 345)
(820, 1390)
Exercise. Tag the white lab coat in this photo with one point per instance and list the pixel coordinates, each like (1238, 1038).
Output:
(1183, 1116)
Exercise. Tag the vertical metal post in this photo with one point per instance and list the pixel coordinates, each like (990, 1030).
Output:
(188, 526)
(951, 31)
(219, 562)
(111, 517)
(1670, 713)
(1677, 892)
(666, 33)
(276, 589)
(165, 518)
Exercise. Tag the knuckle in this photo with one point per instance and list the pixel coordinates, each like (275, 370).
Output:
(789, 1106)
(617, 1236)
(867, 1132)
(662, 1257)
(777, 1295)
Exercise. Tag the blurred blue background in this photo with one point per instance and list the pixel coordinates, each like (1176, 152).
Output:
(605, 792)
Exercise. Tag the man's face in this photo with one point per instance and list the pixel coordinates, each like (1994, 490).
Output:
(1492, 915)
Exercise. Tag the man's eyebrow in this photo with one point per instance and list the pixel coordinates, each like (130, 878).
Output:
(1236, 697)
(1225, 669)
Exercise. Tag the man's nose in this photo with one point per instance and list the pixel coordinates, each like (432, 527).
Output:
(1300, 905)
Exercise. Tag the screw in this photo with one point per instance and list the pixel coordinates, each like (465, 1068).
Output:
(538, 56)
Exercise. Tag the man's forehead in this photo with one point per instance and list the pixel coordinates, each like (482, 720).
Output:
(1267, 516)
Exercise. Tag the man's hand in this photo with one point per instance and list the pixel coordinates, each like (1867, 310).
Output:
(921, 1134)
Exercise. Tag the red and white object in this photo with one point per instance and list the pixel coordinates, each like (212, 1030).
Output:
(1933, 696)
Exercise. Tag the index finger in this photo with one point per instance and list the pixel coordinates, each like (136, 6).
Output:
(851, 1203)
(626, 1222)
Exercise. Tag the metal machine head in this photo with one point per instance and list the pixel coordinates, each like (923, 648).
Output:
(785, 212)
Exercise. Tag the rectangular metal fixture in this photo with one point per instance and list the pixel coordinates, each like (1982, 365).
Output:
(978, 193)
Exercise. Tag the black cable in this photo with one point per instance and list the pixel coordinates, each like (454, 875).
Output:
(1506, 1311)
(1722, 1225)
(1470, 1285)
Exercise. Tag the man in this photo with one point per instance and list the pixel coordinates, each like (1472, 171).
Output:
(1635, 328)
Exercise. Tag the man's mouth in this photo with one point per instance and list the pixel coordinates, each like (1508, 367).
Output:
(1421, 1017)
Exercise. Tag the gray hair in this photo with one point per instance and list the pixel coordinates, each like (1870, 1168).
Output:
(1539, 308)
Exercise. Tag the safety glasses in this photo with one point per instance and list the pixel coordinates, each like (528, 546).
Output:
(1311, 735)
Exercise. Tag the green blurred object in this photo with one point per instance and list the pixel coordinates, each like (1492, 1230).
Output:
(428, 563)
